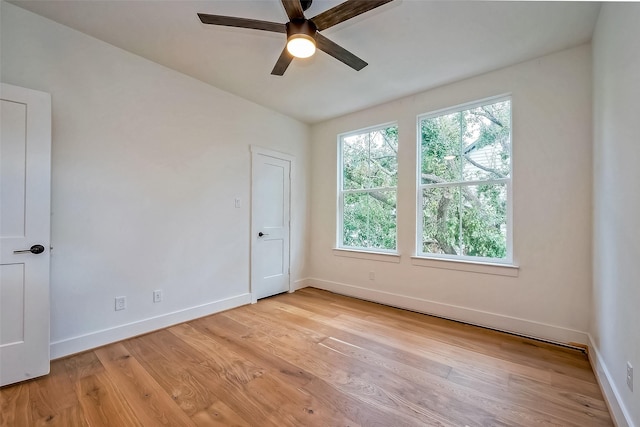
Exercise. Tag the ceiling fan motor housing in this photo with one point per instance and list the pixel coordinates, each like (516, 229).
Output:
(304, 27)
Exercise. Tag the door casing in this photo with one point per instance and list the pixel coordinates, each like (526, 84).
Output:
(254, 230)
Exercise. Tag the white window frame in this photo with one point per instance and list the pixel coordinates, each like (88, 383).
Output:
(340, 246)
(508, 259)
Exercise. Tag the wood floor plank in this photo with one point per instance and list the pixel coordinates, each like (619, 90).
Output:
(314, 358)
(82, 365)
(53, 394)
(102, 403)
(213, 378)
(72, 416)
(219, 414)
(295, 406)
(234, 366)
(216, 329)
(582, 408)
(172, 374)
(151, 404)
(15, 406)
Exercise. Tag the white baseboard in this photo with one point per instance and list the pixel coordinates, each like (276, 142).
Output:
(500, 322)
(300, 283)
(106, 336)
(618, 411)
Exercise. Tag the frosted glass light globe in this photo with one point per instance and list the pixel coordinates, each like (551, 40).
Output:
(301, 46)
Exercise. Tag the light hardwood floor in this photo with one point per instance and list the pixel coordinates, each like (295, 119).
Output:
(314, 358)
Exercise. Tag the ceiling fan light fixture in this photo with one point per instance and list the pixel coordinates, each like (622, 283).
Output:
(301, 38)
(301, 45)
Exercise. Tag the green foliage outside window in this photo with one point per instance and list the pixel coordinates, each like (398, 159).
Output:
(465, 170)
(369, 180)
(465, 175)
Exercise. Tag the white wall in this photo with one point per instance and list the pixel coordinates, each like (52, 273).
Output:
(551, 98)
(615, 327)
(146, 165)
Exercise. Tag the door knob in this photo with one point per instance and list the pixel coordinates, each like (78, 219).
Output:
(260, 234)
(35, 249)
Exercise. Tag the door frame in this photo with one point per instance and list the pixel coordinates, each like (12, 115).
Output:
(255, 152)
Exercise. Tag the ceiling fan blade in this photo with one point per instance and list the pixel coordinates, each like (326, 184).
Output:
(344, 11)
(231, 21)
(340, 53)
(282, 63)
(293, 8)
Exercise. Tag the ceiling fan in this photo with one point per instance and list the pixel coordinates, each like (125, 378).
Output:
(303, 35)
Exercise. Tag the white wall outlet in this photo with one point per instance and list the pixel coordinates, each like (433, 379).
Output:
(630, 376)
(372, 275)
(157, 296)
(121, 303)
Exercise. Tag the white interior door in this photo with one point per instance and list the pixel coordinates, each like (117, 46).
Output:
(25, 183)
(270, 193)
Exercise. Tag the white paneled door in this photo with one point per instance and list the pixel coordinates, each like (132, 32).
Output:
(270, 193)
(25, 186)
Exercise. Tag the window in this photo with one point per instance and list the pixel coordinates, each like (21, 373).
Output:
(368, 168)
(464, 182)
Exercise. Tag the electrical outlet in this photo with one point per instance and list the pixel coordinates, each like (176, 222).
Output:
(630, 376)
(121, 303)
(372, 275)
(238, 202)
(157, 296)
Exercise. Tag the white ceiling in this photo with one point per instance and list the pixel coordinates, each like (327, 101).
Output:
(410, 45)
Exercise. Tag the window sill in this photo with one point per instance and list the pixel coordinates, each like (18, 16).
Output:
(370, 255)
(464, 265)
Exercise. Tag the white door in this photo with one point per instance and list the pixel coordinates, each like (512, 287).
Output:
(25, 182)
(270, 190)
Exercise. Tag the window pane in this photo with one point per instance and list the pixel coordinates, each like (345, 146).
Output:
(441, 220)
(355, 162)
(369, 220)
(370, 159)
(440, 139)
(383, 161)
(484, 220)
(486, 141)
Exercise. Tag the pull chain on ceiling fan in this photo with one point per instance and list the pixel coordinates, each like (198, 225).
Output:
(303, 35)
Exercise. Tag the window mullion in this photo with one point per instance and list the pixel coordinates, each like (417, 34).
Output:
(368, 196)
(368, 190)
(461, 165)
(454, 183)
